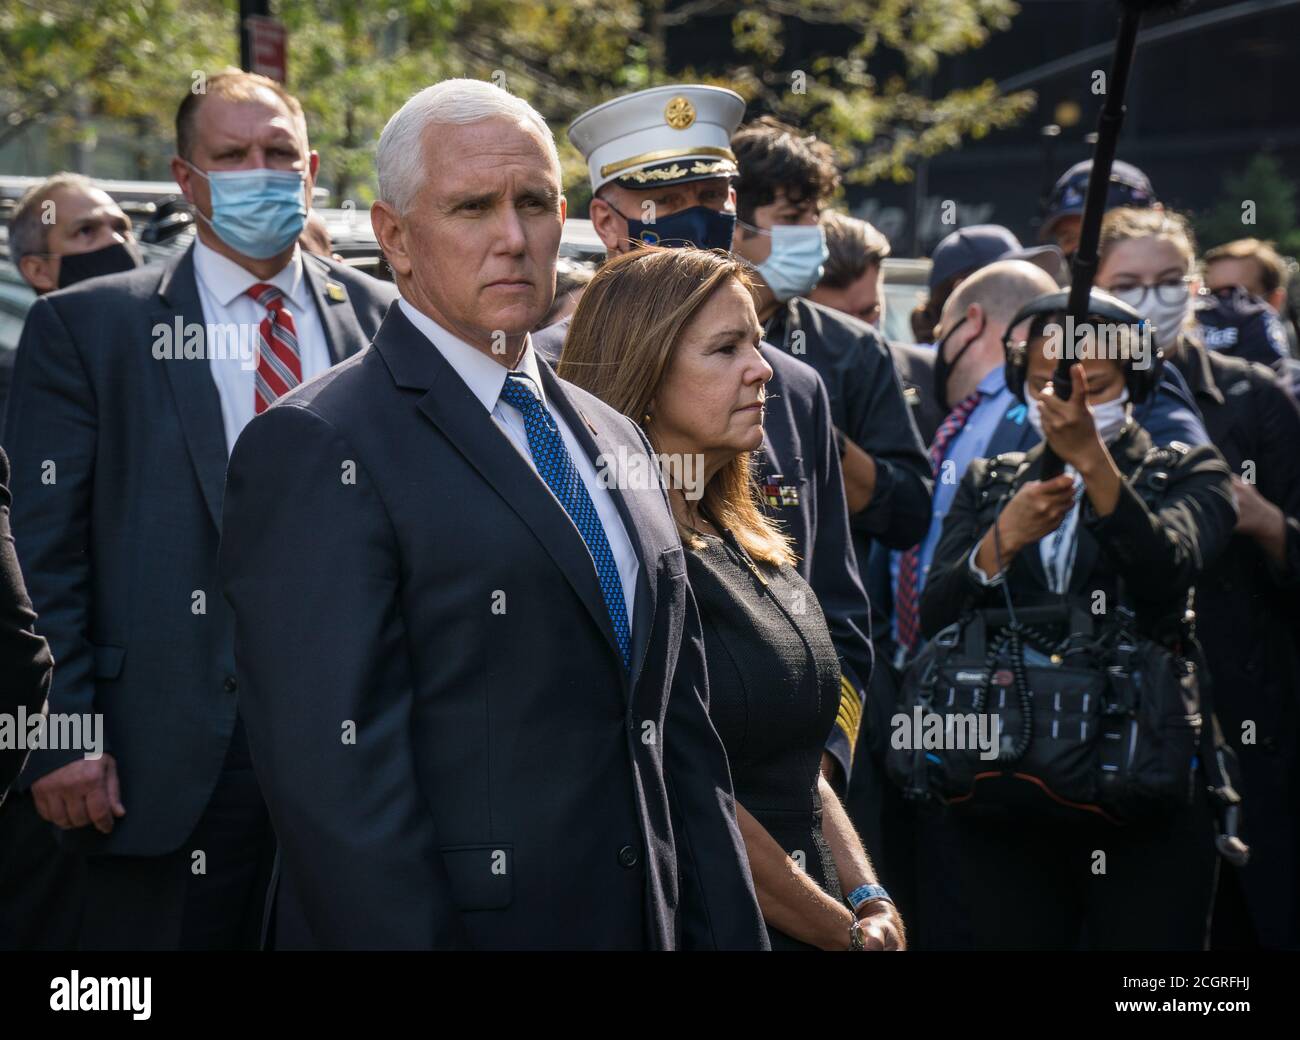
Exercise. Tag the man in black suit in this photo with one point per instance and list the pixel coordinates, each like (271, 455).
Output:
(128, 391)
(475, 696)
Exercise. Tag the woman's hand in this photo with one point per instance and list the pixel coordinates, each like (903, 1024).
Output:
(1068, 426)
(1037, 508)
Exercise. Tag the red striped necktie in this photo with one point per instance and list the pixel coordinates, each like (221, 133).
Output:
(908, 598)
(279, 362)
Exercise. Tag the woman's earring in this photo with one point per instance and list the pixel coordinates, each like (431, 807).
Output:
(645, 419)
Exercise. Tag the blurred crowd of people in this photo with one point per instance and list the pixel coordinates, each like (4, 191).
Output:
(390, 653)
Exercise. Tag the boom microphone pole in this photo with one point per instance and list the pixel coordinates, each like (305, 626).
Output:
(1084, 267)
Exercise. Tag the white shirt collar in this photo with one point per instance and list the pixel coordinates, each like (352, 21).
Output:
(484, 377)
(227, 281)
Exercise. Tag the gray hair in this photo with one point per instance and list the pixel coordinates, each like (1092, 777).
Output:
(28, 233)
(399, 158)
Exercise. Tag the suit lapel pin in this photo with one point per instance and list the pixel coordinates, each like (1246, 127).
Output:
(335, 292)
(588, 422)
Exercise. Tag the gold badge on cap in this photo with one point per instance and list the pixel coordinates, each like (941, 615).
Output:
(679, 113)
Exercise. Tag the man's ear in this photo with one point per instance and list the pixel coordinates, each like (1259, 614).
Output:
(40, 272)
(1277, 299)
(391, 236)
(313, 164)
(609, 226)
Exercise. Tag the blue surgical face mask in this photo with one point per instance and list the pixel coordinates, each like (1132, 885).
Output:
(699, 226)
(798, 258)
(256, 212)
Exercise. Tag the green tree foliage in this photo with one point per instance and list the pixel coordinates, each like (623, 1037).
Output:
(354, 63)
(1261, 193)
(61, 60)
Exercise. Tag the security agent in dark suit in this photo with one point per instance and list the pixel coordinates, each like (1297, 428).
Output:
(663, 155)
(118, 429)
(476, 696)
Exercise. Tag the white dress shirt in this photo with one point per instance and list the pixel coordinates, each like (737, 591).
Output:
(486, 379)
(223, 285)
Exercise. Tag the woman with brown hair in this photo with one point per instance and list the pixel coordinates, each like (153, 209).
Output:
(670, 338)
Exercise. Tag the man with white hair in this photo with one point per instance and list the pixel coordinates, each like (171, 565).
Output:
(475, 694)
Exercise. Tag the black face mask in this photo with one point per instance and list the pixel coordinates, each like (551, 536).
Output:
(700, 226)
(943, 368)
(114, 259)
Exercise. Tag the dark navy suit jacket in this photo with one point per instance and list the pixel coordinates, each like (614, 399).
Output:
(397, 569)
(119, 460)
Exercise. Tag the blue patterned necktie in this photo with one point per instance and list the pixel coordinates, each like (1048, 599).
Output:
(556, 467)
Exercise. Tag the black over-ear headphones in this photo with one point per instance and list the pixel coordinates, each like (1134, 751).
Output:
(1103, 309)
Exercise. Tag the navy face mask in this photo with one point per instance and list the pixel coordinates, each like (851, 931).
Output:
(699, 226)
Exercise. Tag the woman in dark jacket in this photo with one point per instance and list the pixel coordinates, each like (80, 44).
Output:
(1102, 539)
(670, 338)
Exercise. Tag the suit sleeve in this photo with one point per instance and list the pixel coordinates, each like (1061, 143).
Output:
(51, 436)
(836, 580)
(881, 424)
(1169, 548)
(24, 656)
(719, 910)
(309, 565)
(1278, 470)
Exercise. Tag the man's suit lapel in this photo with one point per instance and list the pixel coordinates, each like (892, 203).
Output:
(596, 438)
(197, 402)
(338, 319)
(451, 406)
